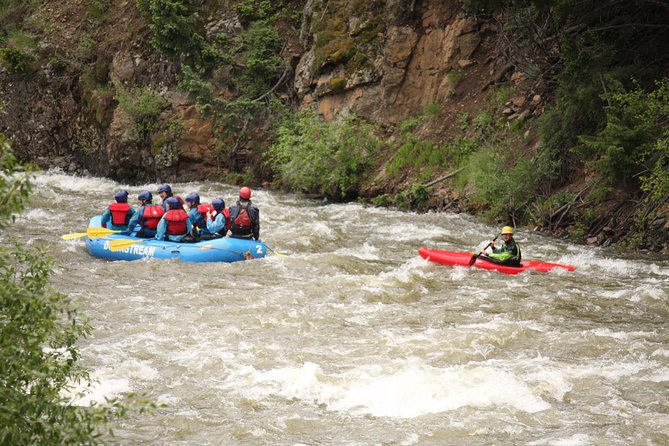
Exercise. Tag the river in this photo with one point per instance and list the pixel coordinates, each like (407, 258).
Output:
(353, 339)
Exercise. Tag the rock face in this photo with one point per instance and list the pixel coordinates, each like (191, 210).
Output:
(388, 61)
(409, 69)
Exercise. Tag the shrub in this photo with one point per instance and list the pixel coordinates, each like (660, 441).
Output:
(634, 143)
(261, 45)
(15, 61)
(499, 181)
(174, 29)
(330, 158)
(144, 105)
(39, 331)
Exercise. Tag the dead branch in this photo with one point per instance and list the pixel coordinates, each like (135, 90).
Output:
(445, 177)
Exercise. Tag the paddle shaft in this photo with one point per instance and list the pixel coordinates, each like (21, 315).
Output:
(91, 233)
(476, 256)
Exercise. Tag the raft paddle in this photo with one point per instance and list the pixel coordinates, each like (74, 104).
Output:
(273, 251)
(119, 245)
(476, 256)
(73, 235)
(91, 233)
(206, 247)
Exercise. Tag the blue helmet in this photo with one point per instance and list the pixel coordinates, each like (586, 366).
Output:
(121, 196)
(165, 188)
(145, 196)
(193, 198)
(218, 204)
(173, 203)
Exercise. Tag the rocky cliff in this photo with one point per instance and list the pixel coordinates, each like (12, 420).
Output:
(384, 61)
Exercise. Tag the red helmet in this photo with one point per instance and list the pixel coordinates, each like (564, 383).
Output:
(245, 193)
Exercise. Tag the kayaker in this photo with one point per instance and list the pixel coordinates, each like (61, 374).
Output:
(245, 217)
(148, 215)
(118, 214)
(165, 192)
(218, 221)
(508, 254)
(175, 223)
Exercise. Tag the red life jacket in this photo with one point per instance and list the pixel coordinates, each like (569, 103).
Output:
(176, 221)
(228, 224)
(242, 224)
(119, 213)
(203, 209)
(243, 220)
(151, 216)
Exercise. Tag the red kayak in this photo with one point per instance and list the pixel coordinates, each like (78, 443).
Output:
(463, 258)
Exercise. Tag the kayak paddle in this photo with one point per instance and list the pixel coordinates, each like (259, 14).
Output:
(91, 233)
(476, 256)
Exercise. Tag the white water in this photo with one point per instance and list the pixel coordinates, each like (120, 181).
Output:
(355, 340)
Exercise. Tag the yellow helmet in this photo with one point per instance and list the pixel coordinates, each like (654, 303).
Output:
(507, 230)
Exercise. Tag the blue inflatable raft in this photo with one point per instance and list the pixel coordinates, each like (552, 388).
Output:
(217, 250)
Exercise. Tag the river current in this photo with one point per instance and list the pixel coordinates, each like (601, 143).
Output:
(353, 339)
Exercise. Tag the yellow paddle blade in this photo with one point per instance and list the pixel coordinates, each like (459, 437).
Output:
(99, 232)
(275, 252)
(119, 245)
(74, 235)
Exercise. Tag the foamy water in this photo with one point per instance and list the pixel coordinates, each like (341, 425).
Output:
(353, 339)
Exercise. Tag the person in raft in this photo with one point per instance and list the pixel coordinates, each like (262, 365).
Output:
(118, 214)
(218, 221)
(508, 254)
(165, 192)
(175, 224)
(244, 217)
(148, 215)
(197, 218)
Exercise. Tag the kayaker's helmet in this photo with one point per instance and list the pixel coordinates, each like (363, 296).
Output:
(193, 198)
(218, 204)
(145, 196)
(165, 188)
(507, 230)
(121, 196)
(173, 203)
(245, 193)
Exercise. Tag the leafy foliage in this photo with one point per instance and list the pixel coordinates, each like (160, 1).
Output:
(634, 141)
(38, 334)
(228, 117)
(250, 11)
(320, 157)
(144, 106)
(616, 151)
(499, 181)
(15, 60)
(261, 45)
(173, 24)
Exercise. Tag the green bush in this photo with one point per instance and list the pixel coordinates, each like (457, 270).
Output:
(174, 27)
(331, 158)
(499, 181)
(634, 142)
(144, 106)
(256, 10)
(261, 45)
(15, 61)
(39, 332)
(229, 118)
(416, 197)
(418, 154)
